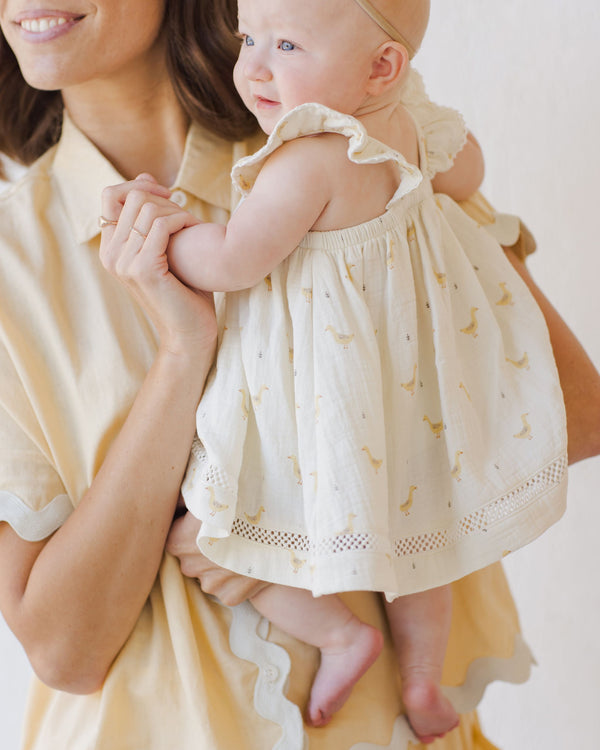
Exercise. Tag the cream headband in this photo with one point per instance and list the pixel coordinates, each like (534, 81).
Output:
(384, 24)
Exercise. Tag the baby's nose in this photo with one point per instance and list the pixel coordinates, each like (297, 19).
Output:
(256, 70)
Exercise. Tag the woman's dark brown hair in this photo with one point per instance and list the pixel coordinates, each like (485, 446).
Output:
(201, 49)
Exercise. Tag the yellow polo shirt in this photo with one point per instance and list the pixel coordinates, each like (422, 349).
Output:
(74, 350)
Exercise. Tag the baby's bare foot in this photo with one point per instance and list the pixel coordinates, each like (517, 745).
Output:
(342, 665)
(429, 712)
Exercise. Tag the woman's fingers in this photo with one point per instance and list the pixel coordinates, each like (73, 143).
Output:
(123, 240)
(228, 587)
(135, 252)
(182, 537)
(113, 197)
(146, 244)
(113, 202)
(149, 177)
(139, 220)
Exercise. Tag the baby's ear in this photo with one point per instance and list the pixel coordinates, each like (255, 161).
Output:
(389, 64)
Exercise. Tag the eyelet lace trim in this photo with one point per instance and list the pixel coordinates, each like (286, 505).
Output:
(477, 522)
(484, 518)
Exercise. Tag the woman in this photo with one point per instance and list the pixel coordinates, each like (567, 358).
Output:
(97, 396)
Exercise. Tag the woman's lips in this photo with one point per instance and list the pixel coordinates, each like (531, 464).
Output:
(43, 25)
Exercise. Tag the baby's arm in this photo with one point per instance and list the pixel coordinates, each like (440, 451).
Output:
(288, 196)
(466, 174)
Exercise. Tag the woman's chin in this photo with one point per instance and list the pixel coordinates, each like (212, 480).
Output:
(42, 74)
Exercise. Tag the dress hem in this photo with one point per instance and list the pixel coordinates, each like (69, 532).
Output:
(417, 563)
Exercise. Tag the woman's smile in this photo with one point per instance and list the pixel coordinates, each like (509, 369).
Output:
(45, 25)
(72, 42)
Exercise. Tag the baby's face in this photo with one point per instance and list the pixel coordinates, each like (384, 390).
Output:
(297, 51)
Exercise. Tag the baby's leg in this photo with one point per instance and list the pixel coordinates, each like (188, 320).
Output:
(420, 624)
(348, 646)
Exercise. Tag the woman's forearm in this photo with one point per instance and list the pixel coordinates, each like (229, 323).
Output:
(88, 584)
(579, 377)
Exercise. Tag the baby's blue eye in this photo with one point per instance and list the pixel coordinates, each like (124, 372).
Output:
(287, 46)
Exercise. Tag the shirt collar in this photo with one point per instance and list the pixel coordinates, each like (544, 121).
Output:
(81, 172)
(205, 168)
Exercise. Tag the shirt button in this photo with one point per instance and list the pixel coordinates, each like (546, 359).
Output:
(271, 673)
(179, 197)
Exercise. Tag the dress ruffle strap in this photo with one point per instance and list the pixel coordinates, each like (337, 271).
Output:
(443, 129)
(313, 119)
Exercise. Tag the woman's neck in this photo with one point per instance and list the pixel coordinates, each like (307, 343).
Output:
(135, 121)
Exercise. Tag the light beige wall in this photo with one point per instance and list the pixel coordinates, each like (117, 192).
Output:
(526, 75)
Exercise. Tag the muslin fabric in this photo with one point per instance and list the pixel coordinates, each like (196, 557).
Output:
(385, 412)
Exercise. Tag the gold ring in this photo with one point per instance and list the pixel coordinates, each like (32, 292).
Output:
(104, 222)
(141, 234)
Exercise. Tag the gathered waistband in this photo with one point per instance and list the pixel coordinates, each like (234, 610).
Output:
(333, 239)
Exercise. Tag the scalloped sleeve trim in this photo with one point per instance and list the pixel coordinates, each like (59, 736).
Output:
(31, 525)
(443, 129)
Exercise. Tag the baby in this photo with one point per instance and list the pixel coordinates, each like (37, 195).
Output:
(370, 422)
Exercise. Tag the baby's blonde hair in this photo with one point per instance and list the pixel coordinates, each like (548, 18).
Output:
(405, 21)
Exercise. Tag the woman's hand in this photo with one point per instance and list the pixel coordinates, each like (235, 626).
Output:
(134, 244)
(229, 588)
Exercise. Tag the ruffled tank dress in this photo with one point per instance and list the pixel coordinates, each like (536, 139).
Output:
(384, 412)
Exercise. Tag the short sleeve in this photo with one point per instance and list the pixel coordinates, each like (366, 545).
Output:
(443, 129)
(33, 499)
